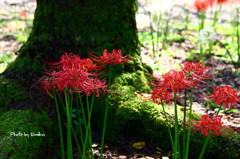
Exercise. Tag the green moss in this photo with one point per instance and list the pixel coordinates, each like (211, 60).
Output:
(11, 91)
(144, 119)
(24, 122)
(25, 63)
(218, 146)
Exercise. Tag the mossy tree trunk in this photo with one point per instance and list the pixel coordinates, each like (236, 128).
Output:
(81, 27)
(77, 26)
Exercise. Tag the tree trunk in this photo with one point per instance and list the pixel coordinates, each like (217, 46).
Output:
(77, 26)
(81, 27)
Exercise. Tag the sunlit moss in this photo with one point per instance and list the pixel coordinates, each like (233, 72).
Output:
(16, 124)
(11, 92)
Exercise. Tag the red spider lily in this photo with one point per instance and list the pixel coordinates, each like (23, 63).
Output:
(88, 64)
(161, 94)
(74, 81)
(46, 86)
(74, 61)
(111, 58)
(23, 13)
(175, 81)
(68, 78)
(225, 96)
(75, 75)
(208, 125)
(221, 1)
(66, 61)
(201, 5)
(211, 2)
(196, 72)
(92, 85)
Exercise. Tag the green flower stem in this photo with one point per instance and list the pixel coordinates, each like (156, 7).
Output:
(202, 20)
(176, 135)
(189, 130)
(84, 125)
(25, 18)
(216, 15)
(210, 47)
(104, 128)
(204, 147)
(159, 20)
(219, 110)
(166, 31)
(59, 124)
(76, 139)
(88, 137)
(187, 19)
(83, 112)
(80, 124)
(152, 36)
(61, 102)
(201, 26)
(168, 126)
(68, 103)
(184, 122)
(105, 115)
(237, 34)
(201, 56)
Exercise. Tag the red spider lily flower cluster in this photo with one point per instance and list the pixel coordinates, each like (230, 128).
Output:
(225, 96)
(177, 81)
(196, 72)
(73, 61)
(161, 94)
(23, 13)
(221, 1)
(208, 126)
(201, 5)
(211, 2)
(75, 75)
(111, 58)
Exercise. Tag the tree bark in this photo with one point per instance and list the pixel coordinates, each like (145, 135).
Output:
(77, 26)
(81, 27)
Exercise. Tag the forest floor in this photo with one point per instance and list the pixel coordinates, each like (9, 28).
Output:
(16, 21)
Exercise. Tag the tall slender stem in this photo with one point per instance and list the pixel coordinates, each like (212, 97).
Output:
(166, 31)
(176, 135)
(85, 127)
(238, 38)
(204, 147)
(184, 122)
(186, 19)
(168, 126)
(152, 35)
(88, 137)
(201, 56)
(59, 124)
(219, 110)
(189, 130)
(68, 104)
(105, 115)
